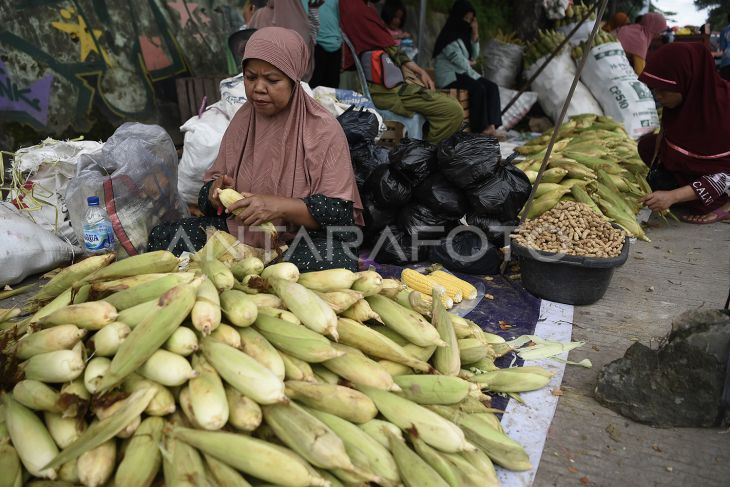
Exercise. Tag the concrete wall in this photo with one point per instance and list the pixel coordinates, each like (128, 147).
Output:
(69, 66)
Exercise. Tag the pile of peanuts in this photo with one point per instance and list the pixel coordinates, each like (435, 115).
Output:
(571, 228)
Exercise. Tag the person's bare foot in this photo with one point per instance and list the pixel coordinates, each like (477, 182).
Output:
(718, 215)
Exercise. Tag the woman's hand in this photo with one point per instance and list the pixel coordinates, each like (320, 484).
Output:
(474, 29)
(422, 74)
(259, 208)
(221, 182)
(662, 200)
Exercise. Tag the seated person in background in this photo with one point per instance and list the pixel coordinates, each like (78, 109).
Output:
(619, 19)
(636, 38)
(457, 46)
(288, 156)
(692, 152)
(393, 14)
(369, 36)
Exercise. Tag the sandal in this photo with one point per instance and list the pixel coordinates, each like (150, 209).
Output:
(720, 216)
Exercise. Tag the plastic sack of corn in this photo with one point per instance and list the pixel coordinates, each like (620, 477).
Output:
(615, 85)
(553, 84)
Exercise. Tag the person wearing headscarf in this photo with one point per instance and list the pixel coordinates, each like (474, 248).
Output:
(619, 19)
(294, 15)
(690, 158)
(368, 34)
(637, 38)
(289, 158)
(455, 52)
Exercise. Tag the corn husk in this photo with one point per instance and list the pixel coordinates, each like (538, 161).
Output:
(55, 367)
(340, 300)
(263, 460)
(328, 281)
(228, 335)
(89, 316)
(359, 369)
(172, 308)
(105, 429)
(162, 403)
(148, 291)
(136, 314)
(307, 436)
(378, 430)
(238, 308)
(405, 322)
(207, 396)
(142, 458)
(296, 340)
(311, 310)
(206, 313)
(106, 342)
(96, 466)
(377, 345)
(38, 396)
(284, 270)
(32, 441)
(60, 337)
(255, 345)
(71, 274)
(432, 428)
(149, 262)
(281, 314)
(341, 401)
(414, 471)
(446, 359)
(263, 300)
(64, 431)
(437, 461)
(183, 341)
(222, 474)
(95, 370)
(243, 372)
(246, 267)
(434, 389)
(516, 379)
(296, 369)
(243, 413)
(167, 368)
(362, 312)
(368, 283)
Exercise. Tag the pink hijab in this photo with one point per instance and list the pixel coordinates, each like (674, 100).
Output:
(289, 14)
(296, 153)
(636, 38)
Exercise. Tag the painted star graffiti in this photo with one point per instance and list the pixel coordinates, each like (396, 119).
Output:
(88, 40)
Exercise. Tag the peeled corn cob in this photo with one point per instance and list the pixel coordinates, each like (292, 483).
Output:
(468, 291)
(417, 281)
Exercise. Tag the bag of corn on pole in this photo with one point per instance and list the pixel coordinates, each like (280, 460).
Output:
(502, 62)
(553, 85)
(612, 80)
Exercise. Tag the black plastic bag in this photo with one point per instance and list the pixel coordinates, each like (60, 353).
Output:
(366, 157)
(424, 223)
(376, 219)
(441, 196)
(414, 160)
(467, 252)
(497, 231)
(501, 196)
(467, 159)
(388, 190)
(359, 125)
(393, 246)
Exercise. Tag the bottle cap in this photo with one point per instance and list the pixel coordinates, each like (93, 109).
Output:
(93, 200)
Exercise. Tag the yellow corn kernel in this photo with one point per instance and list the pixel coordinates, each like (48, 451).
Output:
(425, 284)
(467, 290)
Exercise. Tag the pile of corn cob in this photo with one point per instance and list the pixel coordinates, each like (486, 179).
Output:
(545, 43)
(601, 38)
(594, 162)
(575, 13)
(234, 373)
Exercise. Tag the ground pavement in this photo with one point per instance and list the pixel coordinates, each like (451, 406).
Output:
(684, 267)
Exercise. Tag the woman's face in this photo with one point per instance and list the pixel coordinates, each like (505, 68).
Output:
(397, 20)
(468, 18)
(668, 99)
(267, 88)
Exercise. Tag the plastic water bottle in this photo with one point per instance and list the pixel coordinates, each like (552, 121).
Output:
(98, 232)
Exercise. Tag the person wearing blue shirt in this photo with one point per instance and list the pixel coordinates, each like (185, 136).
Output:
(328, 50)
(725, 48)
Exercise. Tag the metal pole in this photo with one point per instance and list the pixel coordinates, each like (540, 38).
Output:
(550, 58)
(566, 105)
(421, 29)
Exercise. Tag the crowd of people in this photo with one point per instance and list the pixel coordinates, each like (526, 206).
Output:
(289, 158)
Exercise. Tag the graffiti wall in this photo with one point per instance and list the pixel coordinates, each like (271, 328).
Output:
(66, 64)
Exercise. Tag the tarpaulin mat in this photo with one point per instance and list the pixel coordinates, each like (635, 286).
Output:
(511, 313)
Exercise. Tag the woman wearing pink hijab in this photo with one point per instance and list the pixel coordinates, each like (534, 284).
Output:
(636, 38)
(288, 156)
